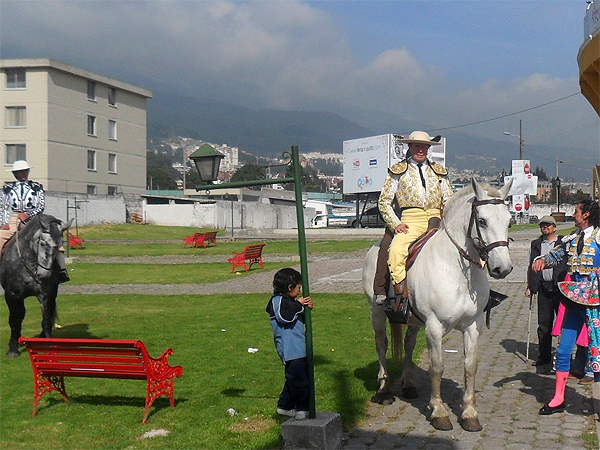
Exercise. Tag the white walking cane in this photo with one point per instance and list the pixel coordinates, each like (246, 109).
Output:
(529, 326)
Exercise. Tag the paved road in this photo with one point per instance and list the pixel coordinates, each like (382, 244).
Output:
(509, 392)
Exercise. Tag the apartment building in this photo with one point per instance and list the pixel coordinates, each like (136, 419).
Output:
(82, 132)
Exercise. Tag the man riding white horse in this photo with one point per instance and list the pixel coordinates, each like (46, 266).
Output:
(421, 189)
(20, 201)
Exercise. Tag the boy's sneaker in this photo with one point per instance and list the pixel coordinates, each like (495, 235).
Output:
(286, 412)
(301, 415)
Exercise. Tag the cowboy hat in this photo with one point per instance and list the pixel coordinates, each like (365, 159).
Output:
(419, 137)
(20, 165)
(584, 292)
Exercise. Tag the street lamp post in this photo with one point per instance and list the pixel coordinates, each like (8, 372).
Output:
(207, 161)
(557, 183)
(520, 136)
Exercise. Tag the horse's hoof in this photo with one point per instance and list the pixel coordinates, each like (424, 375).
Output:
(383, 399)
(12, 354)
(441, 423)
(471, 424)
(409, 392)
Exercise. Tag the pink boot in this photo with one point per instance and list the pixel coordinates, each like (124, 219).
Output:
(557, 404)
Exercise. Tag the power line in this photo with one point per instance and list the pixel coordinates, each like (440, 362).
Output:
(505, 115)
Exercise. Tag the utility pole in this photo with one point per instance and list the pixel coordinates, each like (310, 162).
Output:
(520, 139)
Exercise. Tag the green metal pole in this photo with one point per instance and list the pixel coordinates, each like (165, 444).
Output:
(305, 288)
(68, 246)
(296, 179)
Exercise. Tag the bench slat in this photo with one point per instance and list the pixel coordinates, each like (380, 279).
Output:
(89, 359)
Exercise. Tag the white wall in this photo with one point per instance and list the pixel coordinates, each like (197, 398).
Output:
(246, 215)
(91, 210)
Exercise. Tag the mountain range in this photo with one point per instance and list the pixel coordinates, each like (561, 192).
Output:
(269, 132)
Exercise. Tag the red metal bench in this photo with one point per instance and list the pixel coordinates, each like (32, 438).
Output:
(75, 242)
(201, 239)
(252, 254)
(204, 239)
(191, 240)
(53, 359)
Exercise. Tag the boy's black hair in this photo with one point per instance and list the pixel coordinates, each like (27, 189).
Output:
(591, 206)
(285, 278)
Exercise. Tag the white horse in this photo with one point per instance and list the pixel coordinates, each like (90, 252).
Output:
(448, 289)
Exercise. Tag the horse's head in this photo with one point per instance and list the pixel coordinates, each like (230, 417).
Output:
(47, 241)
(490, 219)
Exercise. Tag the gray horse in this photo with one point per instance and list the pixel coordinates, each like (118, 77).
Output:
(29, 268)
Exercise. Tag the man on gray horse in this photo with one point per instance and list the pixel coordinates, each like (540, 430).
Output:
(421, 189)
(20, 201)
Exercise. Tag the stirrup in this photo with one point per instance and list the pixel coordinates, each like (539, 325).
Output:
(396, 309)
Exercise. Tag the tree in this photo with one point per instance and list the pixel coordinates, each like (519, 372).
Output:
(540, 173)
(308, 179)
(160, 173)
(248, 172)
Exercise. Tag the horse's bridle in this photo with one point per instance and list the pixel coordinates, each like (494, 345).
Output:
(31, 271)
(482, 248)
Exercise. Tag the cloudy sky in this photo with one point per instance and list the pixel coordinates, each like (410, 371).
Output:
(438, 63)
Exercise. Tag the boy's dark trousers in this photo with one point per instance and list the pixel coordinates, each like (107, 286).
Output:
(295, 391)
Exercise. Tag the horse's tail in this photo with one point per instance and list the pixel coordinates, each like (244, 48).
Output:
(397, 341)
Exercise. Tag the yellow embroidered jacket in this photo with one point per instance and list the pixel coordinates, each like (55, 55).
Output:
(404, 182)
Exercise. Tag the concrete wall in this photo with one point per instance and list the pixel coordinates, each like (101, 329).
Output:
(91, 209)
(222, 214)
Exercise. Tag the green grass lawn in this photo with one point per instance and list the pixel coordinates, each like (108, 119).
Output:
(210, 336)
(165, 248)
(108, 273)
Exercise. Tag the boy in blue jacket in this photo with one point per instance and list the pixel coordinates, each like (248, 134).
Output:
(286, 312)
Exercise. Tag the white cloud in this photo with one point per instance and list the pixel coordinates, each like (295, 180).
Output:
(278, 54)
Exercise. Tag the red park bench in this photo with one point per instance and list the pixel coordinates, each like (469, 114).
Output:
(75, 241)
(201, 239)
(252, 254)
(53, 359)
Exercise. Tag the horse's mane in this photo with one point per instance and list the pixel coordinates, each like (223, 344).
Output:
(464, 195)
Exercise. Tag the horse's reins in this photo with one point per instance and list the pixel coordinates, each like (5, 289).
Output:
(483, 250)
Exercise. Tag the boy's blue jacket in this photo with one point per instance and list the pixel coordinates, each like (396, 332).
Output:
(287, 321)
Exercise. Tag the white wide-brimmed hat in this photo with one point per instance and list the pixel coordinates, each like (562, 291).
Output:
(419, 137)
(20, 165)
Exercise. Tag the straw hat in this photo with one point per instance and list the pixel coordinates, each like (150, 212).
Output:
(20, 165)
(419, 137)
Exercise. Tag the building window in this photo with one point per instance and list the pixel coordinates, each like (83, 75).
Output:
(15, 152)
(91, 126)
(112, 96)
(15, 117)
(15, 79)
(112, 130)
(91, 90)
(91, 189)
(91, 160)
(112, 163)
(112, 190)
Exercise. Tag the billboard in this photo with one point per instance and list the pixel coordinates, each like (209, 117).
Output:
(366, 160)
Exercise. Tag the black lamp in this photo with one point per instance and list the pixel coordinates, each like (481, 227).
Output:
(207, 161)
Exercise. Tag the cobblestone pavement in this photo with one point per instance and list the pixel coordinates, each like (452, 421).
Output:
(509, 392)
